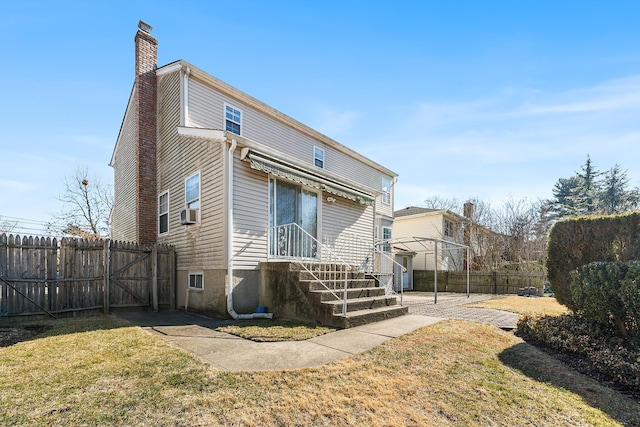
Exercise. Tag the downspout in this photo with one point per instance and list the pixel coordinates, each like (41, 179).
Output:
(230, 309)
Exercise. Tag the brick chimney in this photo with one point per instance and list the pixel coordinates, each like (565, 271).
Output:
(146, 98)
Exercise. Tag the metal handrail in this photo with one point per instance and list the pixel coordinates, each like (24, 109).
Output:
(356, 245)
(292, 242)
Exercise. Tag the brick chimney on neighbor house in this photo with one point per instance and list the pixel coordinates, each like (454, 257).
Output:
(146, 99)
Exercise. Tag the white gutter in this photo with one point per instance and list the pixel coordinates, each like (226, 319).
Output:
(230, 309)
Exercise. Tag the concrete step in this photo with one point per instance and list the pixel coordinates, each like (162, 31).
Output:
(319, 285)
(362, 317)
(330, 275)
(365, 303)
(352, 293)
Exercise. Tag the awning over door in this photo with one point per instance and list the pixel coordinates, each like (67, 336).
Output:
(282, 169)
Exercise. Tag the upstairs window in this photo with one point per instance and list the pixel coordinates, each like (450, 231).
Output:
(448, 228)
(386, 190)
(318, 157)
(163, 213)
(192, 191)
(232, 119)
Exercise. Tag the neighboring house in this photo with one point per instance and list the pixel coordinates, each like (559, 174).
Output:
(233, 183)
(417, 229)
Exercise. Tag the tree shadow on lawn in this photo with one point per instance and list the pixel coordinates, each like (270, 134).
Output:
(542, 367)
(15, 332)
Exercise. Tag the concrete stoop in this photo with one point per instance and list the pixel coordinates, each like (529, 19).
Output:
(366, 302)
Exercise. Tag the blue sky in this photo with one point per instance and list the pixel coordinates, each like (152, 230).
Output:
(491, 99)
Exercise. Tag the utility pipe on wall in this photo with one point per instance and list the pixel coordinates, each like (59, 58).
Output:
(230, 308)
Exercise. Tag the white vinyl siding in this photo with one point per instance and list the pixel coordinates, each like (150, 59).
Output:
(201, 244)
(207, 106)
(345, 218)
(250, 215)
(124, 219)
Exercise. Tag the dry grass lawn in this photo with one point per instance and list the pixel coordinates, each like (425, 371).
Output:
(105, 372)
(274, 330)
(543, 306)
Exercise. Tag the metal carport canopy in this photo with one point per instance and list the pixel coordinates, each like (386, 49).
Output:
(404, 241)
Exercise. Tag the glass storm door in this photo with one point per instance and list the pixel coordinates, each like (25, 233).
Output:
(293, 216)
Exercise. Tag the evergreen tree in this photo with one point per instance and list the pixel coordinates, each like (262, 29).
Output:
(586, 200)
(566, 193)
(615, 196)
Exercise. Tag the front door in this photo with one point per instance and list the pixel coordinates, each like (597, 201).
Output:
(293, 217)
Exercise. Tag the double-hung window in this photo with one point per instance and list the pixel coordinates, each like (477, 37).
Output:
(448, 228)
(232, 119)
(192, 191)
(386, 190)
(386, 236)
(163, 213)
(318, 157)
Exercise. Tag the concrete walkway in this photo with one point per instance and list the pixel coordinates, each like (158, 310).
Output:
(196, 334)
(451, 306)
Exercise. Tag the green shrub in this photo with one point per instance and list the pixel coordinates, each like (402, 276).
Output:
(607, 292)
(609, 354)
(578, 241)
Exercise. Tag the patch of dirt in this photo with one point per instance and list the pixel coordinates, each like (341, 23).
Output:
(584, 366)
(11, 336)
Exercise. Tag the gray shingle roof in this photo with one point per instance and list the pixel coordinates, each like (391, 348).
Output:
(412, 210)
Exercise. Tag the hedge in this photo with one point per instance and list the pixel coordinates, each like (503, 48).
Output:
(575, 242)
(608, 292)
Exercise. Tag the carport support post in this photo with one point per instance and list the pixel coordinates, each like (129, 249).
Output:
(106, 272)
(435, 277)
(468, 263)
(154, 276)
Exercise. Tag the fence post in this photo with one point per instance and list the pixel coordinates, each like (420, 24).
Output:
(154, 276)
(106, 260)
(495, 282)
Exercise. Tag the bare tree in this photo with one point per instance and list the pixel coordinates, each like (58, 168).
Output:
(506, 237)
(525, 244)
(86, 206)
(7, 226)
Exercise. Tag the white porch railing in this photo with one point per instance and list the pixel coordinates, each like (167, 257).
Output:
(291, 242)
(368, 258)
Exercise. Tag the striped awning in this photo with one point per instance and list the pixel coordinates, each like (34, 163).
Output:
(293, 173)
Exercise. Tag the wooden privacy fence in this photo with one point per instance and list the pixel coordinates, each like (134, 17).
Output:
(483, 282)
(44, 276)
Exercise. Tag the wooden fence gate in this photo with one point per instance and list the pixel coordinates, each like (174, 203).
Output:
(41, 276)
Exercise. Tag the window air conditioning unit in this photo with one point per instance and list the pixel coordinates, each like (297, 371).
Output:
(188, 216)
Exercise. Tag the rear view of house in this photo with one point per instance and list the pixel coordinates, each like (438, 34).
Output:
(234, 185)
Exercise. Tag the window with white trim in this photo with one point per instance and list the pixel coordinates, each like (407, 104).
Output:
(196, 281)
(448, 228)
(386, 190)
(318, 157)
(386, 236)
(163, 213)
(192, 191)
(232, 119)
